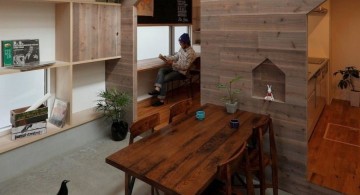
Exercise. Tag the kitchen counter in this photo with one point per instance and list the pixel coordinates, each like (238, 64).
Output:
(317, 91)
(314, 65)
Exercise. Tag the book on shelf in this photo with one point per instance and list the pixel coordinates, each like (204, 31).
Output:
(163, 58)
(20, 52)
(59, 113)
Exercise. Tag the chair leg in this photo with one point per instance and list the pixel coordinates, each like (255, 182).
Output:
(262, 183)
(191, 86)
(131, 184)
(274, 179)
(275, 187)
(248, 175)
(127, 184)
(273, 155)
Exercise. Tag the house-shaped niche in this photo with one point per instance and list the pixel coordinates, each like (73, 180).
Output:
(267, 73)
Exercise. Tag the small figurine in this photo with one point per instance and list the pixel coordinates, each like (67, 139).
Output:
(269, 96)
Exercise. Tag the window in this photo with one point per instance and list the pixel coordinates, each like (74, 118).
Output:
(178, 31)
(153, 40)
(19, 90)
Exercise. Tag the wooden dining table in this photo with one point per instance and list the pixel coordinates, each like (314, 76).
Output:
(182, 157)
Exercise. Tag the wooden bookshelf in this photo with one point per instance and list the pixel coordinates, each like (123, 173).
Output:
(75, 45)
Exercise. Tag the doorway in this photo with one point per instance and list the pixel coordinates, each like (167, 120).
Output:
(334, 147)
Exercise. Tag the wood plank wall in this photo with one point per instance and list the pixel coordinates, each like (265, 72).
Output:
(121, 74)
(238, 35)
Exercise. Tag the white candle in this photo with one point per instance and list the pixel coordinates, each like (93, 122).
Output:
(39, 102)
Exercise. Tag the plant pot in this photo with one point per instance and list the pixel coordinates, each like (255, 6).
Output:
(356, 83)
(354, 98)
(119, 130)
(231, 108)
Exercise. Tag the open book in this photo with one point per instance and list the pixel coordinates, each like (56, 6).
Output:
(163, 58)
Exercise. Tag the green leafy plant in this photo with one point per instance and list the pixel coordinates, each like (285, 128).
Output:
(348, 74)
(113, 104)
(231, 93)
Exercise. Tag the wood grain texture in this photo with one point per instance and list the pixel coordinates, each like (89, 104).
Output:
(64, 88)
(253, 7)
(109, 31)
(63, 32)
(190, 150)
(96, 31)
(121, 74)
(333, 164)
(179, 94)
(237, 36)
(85, 31)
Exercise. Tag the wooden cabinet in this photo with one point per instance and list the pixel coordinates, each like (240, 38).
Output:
(96, 31)
(317, 96)
(324, 84)
(85, 35)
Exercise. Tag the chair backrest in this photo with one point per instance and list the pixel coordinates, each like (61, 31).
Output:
(195, 65)
(143, 125)
(227, 168)
(266, 160)
(179, 108)
(264, 126)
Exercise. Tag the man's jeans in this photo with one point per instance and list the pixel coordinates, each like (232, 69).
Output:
(165, 75)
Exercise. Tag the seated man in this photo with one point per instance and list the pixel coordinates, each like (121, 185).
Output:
(176, 69)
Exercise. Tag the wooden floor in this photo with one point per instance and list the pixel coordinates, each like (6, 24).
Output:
(145, 108)
(334, 159)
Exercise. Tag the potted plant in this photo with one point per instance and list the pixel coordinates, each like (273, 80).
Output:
(349, 76)
(113, 104)
(230, 100)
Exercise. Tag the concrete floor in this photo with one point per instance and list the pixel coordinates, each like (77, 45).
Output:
(86, 169)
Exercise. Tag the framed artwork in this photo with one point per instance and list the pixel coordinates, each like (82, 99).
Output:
(145, 8)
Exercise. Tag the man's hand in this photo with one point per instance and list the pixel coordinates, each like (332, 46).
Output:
(169, 62)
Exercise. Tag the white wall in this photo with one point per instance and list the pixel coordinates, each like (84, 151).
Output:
(88, 81)
(21, 20)
(319, 33)
(345, 40)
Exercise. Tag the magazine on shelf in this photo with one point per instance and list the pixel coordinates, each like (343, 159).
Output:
(32, 66)
(59, 113)
(20, 52)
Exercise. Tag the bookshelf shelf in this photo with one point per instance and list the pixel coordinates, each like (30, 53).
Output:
(96, 60)
(6, 144)
(73, 36)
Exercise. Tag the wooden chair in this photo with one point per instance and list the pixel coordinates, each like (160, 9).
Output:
(179, 108)
(258, 160)
(192, 72)
(225, 171)
(144, 125)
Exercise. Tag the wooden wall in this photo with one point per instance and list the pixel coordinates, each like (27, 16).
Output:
(121, 74)
(195, 39)
(237, 36)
